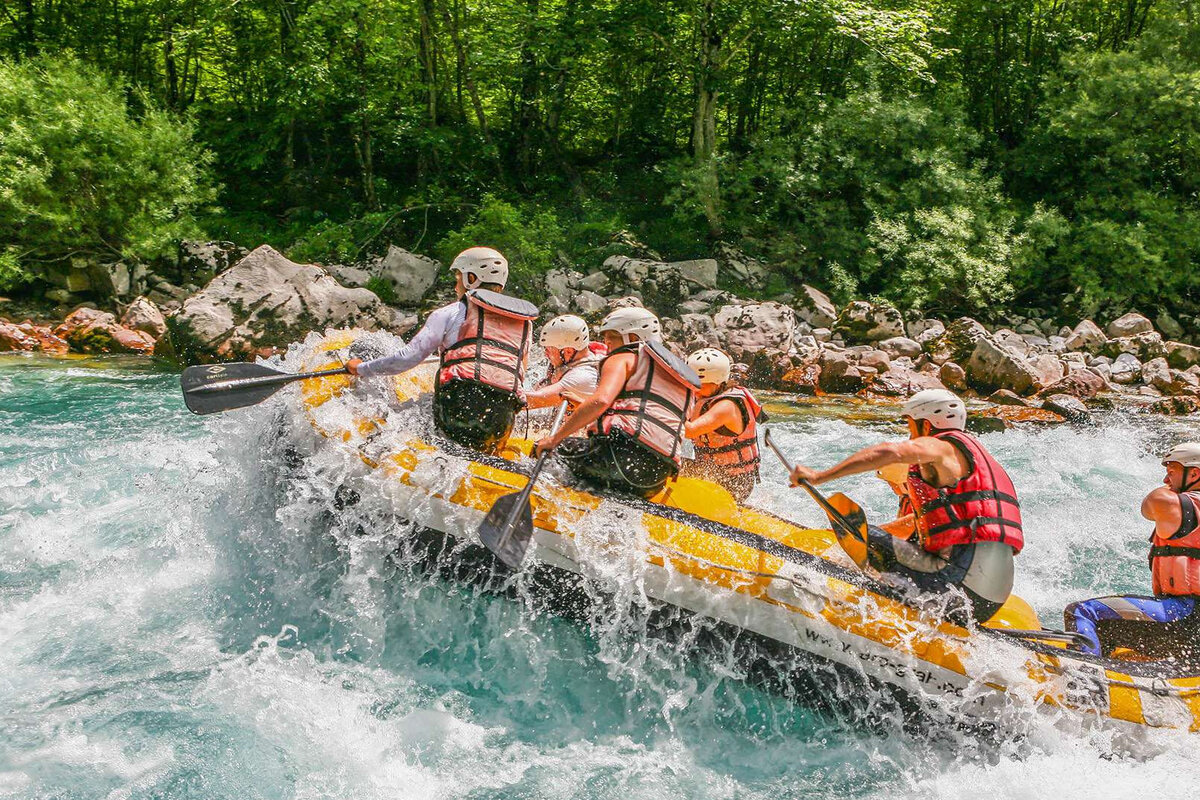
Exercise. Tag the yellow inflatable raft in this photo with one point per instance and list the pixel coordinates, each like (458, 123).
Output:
(703, 553)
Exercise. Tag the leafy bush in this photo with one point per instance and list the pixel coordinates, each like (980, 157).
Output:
(529, 239)
(383, 290)
(84, 175)
(12, 274)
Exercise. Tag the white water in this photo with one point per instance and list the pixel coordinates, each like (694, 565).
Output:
(176, 623)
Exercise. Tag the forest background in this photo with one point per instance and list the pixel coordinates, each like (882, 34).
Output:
(973, 156)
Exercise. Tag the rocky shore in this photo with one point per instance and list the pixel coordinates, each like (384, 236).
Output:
(219, 303)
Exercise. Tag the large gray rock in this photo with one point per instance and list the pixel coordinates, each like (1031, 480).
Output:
(992, 366)
(838, 374)
(899, 346)
(957, 342)
(1084, 384)
(1087, 336)
(1125, 369)
(1130, 324)
(1182, 356)
(746, 270)
(589, 304)
(745, 329)
(698, 272)
(1156, 373)
(863, 322)
(953, 376)
(595, 282)
(1047, 368)
(262, 304)
(1068, 406)
(558, 283)
(200, 262)
(354, 277)
(696, 331)
(814, 307)
(1145, 346)
(410, 275)
(143, 315)
(1168, 325)
(924, 330)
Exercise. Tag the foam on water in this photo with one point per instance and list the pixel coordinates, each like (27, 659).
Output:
(183, 616)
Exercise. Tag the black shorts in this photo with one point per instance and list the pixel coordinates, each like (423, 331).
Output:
(474, 414)
(616, 462)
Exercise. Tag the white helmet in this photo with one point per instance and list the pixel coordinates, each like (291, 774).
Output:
(1186, 454)
(633, 320)
(942, 408)
(711, 365)
(481, 265)
(565, 331)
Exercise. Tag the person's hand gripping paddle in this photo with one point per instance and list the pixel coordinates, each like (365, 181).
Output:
(508, 527)
(210, 388)
(848, 520)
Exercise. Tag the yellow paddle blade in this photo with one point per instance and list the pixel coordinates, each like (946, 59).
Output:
(853, 535)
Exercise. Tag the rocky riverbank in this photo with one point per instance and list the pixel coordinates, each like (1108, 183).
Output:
(232, 305)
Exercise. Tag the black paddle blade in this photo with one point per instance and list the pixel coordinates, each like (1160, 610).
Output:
(197, 381)
(508, 528)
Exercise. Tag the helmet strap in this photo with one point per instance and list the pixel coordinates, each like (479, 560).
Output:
(1184, 486)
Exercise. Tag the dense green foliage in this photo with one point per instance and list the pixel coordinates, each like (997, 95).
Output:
(956, 155)
(81, 175)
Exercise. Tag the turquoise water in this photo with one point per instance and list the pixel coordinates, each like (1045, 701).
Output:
(178, 621)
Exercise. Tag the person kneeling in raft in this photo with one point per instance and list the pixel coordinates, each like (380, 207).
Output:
(724, 426)
(484, 339)
(574, 362)
(966, 523)
(635, 417)
(1166, 625)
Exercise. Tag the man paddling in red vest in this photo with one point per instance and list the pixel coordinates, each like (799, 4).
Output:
(484, 339)
(966, 523)
(1166, 625)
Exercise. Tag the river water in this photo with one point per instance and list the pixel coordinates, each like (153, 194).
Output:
(175, 622)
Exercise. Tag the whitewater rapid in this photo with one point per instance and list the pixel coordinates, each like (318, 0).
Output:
(176, 620)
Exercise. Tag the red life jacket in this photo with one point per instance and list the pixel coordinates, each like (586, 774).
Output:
(492, 343)
(733, 453)
(655, 402)
(1175, 561)
(982, 507)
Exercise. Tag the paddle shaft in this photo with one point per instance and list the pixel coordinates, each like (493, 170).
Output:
(808, 487)
(523, 495)
(266, 380)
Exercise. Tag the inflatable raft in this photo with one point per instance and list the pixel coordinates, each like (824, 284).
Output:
(750, 569)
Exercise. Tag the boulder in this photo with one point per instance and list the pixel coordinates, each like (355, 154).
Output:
(745, 270)
(1168, 325)
(200, 262)
(992, 367)
(264, 303)
(953, 376)
(1007, 397)
(1176, 406)
(143, 315)
(595, 282)
(1157, 373)
(1130, 324)
(1083, 384)
(898, 346)
(1047, 368)
(13, 338)
(117, 280)
(694, 307)
(924, 330)
(1145, 346)
(1068, 406)
(745, 329)
(626, 243)
(901, 381)
(698, 272)
(863, 322)
(588, 304)
(410, 275)
(697, 330)
(88, 330)
(1004, 417)
(838, 375)
(1087, 336)
(1182, 356)
(354, 277)
(876, 360)
(1125, 369)
(957, 342)
(814, 307)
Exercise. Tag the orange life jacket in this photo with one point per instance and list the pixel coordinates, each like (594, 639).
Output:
(655, 402)
(1175, 561)
(733, 453)
(982, 507)
(492, 342)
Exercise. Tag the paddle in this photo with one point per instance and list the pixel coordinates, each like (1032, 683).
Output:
(508, 526)
(210, 388)
(848, 520)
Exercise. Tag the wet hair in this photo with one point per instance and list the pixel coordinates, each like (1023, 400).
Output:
(491, 287)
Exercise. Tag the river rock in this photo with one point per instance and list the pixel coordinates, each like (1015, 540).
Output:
(1087, 336)
(838, 375)
(746, 329)
(1168, 325)
(746, 270)
(409, 274)
(13, 338)
(1047, 368)
(1145, 346)
(992, 367)
(1177, 406)
(1125, 369)
(588, 304)
(898, 346)
(596, 282)
(957, 342)
(1083, 384)
(862, 322)
(924, 330)
(696, 331)
(1157, 373)
(354, 277)
(143, 315)
(876, 360)
(698, 272)
(1007, 397)
(200, 262)
(1182, 356)
(1130, 324)
(118, 279)
(88, 330)
(1068, 406)
(954, 376)
(901, 381)
(263, 303)
(814, 307)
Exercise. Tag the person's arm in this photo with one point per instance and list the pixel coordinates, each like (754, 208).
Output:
(723, 413)
(577, 382)
(925, 450)
(427, 342)
(1161, 507)
(545, 396)
(613, 377)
